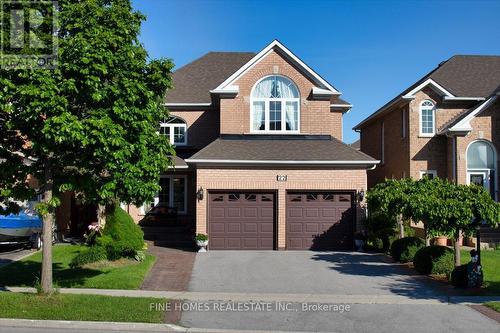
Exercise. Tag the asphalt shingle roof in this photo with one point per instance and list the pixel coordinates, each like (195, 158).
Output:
(193, 82)
(280, 148)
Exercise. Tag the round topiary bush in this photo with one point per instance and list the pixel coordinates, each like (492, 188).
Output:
(400, 248)
(434, 259)
(121, 237)
(459, 277)
(88, 256)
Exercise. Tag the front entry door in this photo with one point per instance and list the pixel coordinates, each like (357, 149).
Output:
(481, 178)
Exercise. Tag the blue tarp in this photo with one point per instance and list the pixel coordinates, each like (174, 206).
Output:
(21, 220)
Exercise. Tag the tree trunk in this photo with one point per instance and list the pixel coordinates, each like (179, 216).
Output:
(427, 238)
(48, 220)
(456, 246)
(101, 215)
(401, 226)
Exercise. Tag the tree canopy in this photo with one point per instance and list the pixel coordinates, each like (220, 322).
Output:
(89, 125)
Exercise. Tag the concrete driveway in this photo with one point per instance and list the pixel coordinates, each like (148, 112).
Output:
(341, 273)
(10, 253)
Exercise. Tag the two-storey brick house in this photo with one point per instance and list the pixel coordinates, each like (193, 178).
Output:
(447, 124)
(260, 161)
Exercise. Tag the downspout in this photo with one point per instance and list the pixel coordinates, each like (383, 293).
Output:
(454, 153)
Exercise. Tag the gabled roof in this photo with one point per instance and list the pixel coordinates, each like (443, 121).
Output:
(215, 73)
(462, 77)
(278, 47)
(281, 150)
(193, 82)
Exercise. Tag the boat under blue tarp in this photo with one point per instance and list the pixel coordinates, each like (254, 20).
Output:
(19, 225)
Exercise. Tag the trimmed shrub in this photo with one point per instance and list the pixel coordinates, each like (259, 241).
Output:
(408, 254)
(88, 256)
(434, 259)
(400, 248)
(459, 276)
(121, 237)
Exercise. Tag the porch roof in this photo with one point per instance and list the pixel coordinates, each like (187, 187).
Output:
(281, 149)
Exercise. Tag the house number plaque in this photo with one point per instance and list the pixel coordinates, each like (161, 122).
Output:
(281, 178)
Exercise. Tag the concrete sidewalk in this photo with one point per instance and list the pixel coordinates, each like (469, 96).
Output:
(274, 297)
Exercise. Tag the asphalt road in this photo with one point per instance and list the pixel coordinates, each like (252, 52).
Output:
(360, 318)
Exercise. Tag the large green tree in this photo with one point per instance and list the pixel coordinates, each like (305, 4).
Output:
(91, 124)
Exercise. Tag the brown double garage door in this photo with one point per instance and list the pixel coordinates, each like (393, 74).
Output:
(248, 220)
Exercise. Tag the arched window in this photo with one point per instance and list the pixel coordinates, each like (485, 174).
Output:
(275, 105)
(480, 155)
(175, 129)
(481, 166)
(427, 118)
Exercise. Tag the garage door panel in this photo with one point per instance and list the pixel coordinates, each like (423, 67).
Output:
(241, 220)
(217, 212)
(312, 212)
(295, 212)
(232, 243)
(250, 227)
(251, 212)
(266, 228)
(233, 227)
(234, 212)
(217, 227)
(326, 224)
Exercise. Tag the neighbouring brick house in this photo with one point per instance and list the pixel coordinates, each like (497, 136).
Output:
(260, 161)
(447, 124)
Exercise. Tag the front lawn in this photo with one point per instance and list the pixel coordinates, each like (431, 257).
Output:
(123, 274)
(80, 307)
(490, 261)
(494, 305)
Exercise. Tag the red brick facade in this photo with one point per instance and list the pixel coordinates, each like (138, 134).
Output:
(408, 157)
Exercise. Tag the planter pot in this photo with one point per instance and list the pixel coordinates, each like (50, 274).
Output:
(202, 245)
(359, 243)
(470, 242)
(441, 240)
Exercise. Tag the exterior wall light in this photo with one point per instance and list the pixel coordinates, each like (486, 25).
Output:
(361, 195)
(199, 194)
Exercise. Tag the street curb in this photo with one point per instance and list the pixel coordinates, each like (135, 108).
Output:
(119, 327)
(90, 325)
(276, 297)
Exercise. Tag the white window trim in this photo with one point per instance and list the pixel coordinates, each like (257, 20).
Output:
(431, 172)
(171, 132)
(171, 192)
(478, 170)
(267, 110)
(421, 107)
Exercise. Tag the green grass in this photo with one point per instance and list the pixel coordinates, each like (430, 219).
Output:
(490, 261)
(124, 274)
(494, 305)
(79, 307)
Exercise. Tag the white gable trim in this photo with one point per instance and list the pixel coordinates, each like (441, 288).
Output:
(262, 54)
(464, 124)
(427, 82)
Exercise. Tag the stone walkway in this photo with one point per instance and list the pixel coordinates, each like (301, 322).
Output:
(171, 271)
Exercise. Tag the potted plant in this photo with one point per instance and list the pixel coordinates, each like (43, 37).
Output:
(202, 242)
(359, 241)
(441, 240)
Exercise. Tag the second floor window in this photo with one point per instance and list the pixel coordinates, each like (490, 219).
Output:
(427, 118)
(175, 130)
(275, 106)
